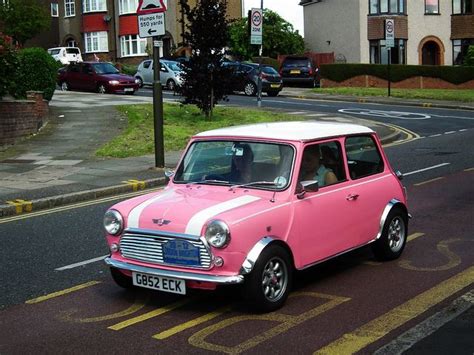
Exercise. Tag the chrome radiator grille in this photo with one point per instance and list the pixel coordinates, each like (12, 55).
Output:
(149, 248)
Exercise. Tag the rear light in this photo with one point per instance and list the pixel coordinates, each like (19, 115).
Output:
(280, 71)
(310, 71)
(264, 76)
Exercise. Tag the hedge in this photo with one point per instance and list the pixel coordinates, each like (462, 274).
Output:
(268, 61)
(37, 71)
(452, 74)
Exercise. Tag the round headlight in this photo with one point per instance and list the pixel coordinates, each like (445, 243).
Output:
(217, 234)
(113, 222)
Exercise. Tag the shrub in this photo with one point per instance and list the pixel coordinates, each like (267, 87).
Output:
(8, 65)
(268, 61)
(341, 72)
(469, 60)
(37, 71)
(129, 69)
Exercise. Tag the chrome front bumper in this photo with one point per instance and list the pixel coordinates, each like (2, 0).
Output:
(175, 274)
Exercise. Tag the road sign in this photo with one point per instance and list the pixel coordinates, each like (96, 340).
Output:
(389, 33)
(150, 7)
(256, 26)
(151, 25)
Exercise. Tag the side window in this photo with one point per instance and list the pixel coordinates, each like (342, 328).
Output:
(73, 68)
(363, 157)
(323, 162)
(146, 64)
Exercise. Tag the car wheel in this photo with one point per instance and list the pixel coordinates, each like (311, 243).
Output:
(101, 89)
(121, 279)
(64, 86)
(272, 93)
(394, 236)
(250, 89)
(140, 81)
(267, 287)
(171, 85)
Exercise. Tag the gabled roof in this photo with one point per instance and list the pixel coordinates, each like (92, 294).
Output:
(292, 131)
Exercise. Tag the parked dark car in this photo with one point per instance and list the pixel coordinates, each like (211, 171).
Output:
(101, 77)
(299, 70)
(245, 78)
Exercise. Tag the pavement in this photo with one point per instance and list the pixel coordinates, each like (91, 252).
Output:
(58, 165)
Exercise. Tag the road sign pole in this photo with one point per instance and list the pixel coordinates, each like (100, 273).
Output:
(389, 62)
(259, 82)
(158, 108)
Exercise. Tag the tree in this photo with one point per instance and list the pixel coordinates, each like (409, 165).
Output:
(279, 37)
(469, 59)
(207, 34)
(24, 19)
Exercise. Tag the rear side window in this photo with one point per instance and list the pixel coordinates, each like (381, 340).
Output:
(54, 51)
(72, 50)
(269, 70)
(363, 157)
(146, 64)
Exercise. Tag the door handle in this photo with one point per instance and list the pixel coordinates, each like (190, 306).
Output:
(352, 197)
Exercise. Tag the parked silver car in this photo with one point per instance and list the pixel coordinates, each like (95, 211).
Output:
(170, 74)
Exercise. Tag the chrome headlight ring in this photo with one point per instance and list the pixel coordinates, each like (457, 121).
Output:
(113, 222)
(217, 234)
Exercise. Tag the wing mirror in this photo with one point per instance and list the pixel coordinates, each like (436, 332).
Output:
(306, 186)
(168, 175)
(399, 175)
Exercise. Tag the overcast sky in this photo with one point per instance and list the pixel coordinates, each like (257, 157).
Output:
(288, 9)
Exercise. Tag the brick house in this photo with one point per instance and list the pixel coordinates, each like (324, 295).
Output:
(109, 29)
(430, 32)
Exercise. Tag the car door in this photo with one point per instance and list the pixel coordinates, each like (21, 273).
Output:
(87, 77)
(147, 72)
(72, 76)
(324, 221)
(370, 187)
(164, 73)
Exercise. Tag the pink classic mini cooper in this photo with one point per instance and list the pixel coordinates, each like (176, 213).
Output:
(251, 204)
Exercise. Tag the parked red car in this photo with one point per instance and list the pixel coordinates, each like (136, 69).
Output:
(101, 77)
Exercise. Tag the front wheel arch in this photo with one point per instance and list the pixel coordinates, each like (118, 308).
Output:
(257, 249)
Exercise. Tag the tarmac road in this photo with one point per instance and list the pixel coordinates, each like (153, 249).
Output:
(343, 306)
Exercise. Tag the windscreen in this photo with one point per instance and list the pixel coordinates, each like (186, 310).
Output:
(105, 68)
(255, 164)
(72, 50)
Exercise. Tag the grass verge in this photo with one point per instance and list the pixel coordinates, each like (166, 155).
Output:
(426, 94)
(180, 123)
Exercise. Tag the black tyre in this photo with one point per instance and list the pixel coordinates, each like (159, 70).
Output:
(101, 89)
(250, 89)
(267, 287)
(121, 279)
(394, 236)
(64, 86)
(140, 81)
(171, 85)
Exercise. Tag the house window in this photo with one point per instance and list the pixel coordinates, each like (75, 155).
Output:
(127, 6)
(54, 9)
(96, 42)
(71, 43)
(69, 8)
(377, 7)
(94, 5)
(463, 7)
(431, 7)
(379, 53)
(132, 45)
(460, 47)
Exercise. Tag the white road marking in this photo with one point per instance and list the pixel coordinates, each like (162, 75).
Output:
(450, 132)
(81, 263)
(297, 113)
(435, 135)
(316, 114)
(428, 326)
(425, 169)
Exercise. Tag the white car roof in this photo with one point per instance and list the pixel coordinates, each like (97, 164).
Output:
(293, 131)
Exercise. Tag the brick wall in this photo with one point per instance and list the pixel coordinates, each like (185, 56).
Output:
(462, 26)
(417, 82)
(21, 118)
(376, 27)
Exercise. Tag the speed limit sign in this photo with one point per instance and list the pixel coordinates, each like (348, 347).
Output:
(389, 33)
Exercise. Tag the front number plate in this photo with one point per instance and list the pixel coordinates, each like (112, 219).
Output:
(128, 89)
(165, 284)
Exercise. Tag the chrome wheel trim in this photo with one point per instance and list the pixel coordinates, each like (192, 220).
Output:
(274, 279)
(101, 89)
(171, 85)
(249, 89)
(396, 234)
(140, 81)
(64, 86)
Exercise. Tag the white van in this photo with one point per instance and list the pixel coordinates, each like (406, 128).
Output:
(66, 55)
